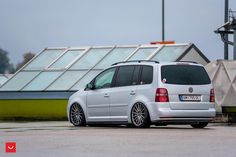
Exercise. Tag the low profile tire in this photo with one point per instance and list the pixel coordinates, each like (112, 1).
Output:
(140, 116)
(199, 125)
(77, 116)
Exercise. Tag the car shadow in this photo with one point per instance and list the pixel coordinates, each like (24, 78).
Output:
(152, 127)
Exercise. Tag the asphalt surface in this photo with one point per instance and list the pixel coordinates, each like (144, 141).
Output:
(60, 139)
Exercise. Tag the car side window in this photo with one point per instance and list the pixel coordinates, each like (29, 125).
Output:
(135, 80)
(146, 75)
(104, 79)
(124, 76)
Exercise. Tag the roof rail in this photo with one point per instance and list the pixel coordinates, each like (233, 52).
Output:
(188, 62)
(139, 61)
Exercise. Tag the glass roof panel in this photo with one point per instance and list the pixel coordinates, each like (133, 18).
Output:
(86, 79)
(35, 78)
(169, 53)
(19, 80)
(90, 58)
(116, 55)
(44, 59)
(143, 53)
(66, 80)
(3, 79)
(42, 81)
(66, 59)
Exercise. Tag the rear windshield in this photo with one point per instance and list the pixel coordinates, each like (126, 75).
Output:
(184, 74)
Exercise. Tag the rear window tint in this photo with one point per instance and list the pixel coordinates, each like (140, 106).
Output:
(124, 76)
(135, 80)
(146, 75)
(184, 74)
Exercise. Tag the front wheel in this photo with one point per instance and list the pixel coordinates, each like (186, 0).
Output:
(199, 125)
(140, 116)
(77, 116)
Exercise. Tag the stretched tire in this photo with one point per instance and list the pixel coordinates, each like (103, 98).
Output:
(140, 116)
(77, 116)
(199, 125)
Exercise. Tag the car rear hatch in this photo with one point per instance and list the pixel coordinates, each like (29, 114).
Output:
(188, 86)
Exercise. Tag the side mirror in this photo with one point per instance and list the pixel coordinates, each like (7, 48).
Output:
(89, 86)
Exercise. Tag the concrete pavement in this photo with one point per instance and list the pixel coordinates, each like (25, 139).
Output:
(61, 139)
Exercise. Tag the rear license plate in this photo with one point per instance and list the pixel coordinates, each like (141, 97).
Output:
(190, 97)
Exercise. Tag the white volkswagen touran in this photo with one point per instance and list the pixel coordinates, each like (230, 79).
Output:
(141, 93)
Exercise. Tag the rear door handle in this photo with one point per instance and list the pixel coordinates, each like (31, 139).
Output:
(106, 95)
(132, 93)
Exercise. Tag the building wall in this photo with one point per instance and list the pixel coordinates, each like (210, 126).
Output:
(36, 109)
(223, 76)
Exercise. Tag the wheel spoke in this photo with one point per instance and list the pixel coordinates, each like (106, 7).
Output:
(76, 114)
(138, 114)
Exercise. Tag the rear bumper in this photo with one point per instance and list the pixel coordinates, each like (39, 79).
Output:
(168, 113)
(160, 112)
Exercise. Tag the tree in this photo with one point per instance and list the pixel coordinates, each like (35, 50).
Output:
(4, 61)
(27, 57)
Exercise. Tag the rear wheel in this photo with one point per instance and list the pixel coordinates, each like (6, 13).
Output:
(77, 116)
(140, 116)
(199, 125)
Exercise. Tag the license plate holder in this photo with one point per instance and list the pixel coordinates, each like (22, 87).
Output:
(194, 98)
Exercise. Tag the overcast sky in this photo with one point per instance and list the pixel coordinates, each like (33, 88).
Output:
(30, 25)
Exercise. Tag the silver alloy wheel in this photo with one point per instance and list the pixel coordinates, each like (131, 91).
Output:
(77, 115)
(138, 114)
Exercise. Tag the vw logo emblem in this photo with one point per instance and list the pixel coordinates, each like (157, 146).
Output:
(190, 89)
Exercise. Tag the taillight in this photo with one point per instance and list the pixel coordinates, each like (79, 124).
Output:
(212, 95)
(162, 95)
